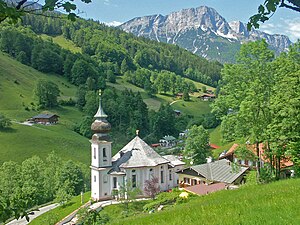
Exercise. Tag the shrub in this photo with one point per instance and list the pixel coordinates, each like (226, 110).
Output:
(4, 122)
(166, 198)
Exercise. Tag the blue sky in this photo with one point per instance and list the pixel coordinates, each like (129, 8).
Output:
(284, 21)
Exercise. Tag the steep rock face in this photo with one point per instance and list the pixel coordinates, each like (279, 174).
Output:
(202, 31)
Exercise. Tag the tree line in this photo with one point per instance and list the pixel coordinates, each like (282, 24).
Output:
(36, 181)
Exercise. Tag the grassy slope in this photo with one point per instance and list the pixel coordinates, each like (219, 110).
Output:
(275, 203)
(17, 82)
(194, 107)
(22, 141)
(60, 40)
(57, 214)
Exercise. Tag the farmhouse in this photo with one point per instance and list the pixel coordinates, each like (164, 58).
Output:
(133, 164)
(207, 97)
(167, 141)
(45, 118)
(221, 171)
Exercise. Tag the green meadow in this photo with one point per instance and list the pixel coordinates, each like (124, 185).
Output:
(275, 203)
(17, 82)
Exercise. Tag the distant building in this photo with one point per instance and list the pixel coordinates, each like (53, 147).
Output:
(207, 97)
(177, 112)
(135, 163)
(179, 95)
(45, 119)
(167, 141)
(209, 91)
(183, 134)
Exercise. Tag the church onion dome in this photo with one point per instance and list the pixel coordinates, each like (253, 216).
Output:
(100, 125)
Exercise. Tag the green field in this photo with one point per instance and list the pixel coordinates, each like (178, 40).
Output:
(22, 142)
(17, 82)
(194, 107)
(275, 203)
(64, 43)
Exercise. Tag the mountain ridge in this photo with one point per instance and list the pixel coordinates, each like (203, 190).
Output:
(203, 31)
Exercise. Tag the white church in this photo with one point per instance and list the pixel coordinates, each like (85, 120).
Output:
(136, 162)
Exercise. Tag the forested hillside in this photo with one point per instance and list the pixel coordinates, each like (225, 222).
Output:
(102, 54)
(121, 52)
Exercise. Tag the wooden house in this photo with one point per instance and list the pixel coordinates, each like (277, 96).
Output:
(45, 118)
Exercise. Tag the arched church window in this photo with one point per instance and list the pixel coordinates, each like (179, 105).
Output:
(133, 179)
(114, 182)
(94, 178)
(104, 153)
(151, 173)
(94, 153)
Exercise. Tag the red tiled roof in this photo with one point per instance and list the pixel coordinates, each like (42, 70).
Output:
(208, 95)
(214, 146)
(261, 147)
(203, 189)
(155, 145)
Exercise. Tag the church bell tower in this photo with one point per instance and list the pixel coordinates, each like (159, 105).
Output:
(100, 155)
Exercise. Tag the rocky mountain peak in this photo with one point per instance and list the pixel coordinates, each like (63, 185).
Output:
(202, 31)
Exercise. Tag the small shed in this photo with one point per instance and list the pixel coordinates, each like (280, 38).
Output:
(179, 95)
(177, 112)
(45, 118)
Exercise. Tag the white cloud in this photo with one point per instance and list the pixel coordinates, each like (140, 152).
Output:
(106, 2)
(113, 23)
(289, 27)
(109, 3)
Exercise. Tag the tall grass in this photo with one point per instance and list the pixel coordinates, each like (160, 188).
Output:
(275, 203)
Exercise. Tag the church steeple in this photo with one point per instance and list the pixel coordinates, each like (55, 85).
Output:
(100, 113)
(101, 155)
(100, 125)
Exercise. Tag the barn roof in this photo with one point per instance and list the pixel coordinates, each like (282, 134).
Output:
(220, 171)
(44, 116)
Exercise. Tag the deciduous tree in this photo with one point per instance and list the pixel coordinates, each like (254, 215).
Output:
(4, 122)
(13, 10)
(268, 8)
(46, 93)
(197, 144)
